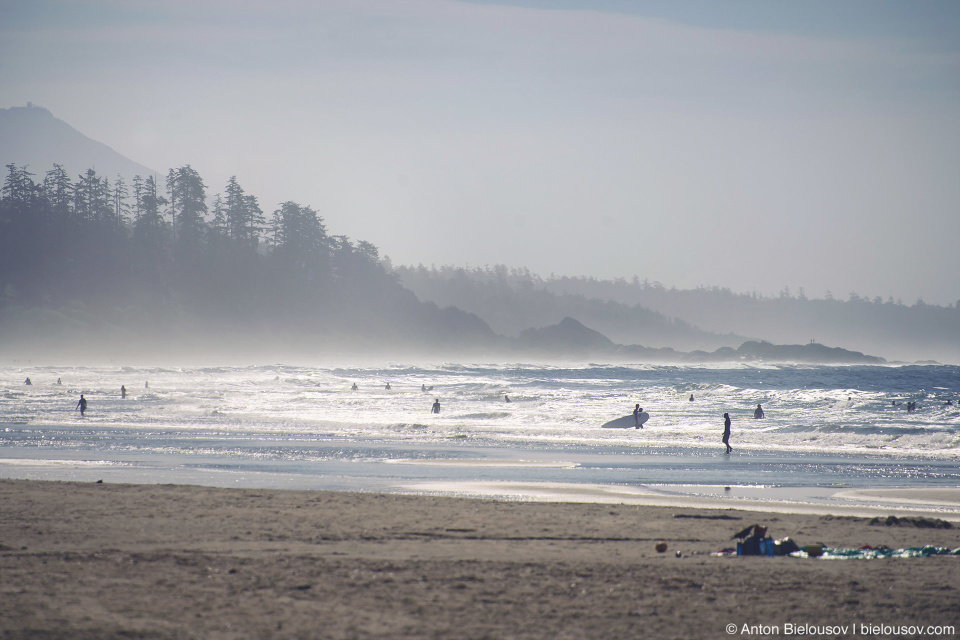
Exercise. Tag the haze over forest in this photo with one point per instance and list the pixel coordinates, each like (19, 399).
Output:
(93, 267)
(746, 145)
(706, 173)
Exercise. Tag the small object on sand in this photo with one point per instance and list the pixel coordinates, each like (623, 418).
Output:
(814, 550)
(726, 488)
(661, 547)
(679, 555)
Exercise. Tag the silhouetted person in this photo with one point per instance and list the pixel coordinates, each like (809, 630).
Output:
(506, 397)
(27, 382)
(758, 412)
(58, 381)
(726, 432)
(691, 397)
(423, 387)
(123, 391)
(636, 417)
(354, 387)
(436, 406)
(82, 405)
(146, 385)
(387, 387)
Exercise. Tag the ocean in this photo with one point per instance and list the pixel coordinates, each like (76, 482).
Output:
(831, 435)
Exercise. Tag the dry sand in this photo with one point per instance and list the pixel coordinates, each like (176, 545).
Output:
(107, 561)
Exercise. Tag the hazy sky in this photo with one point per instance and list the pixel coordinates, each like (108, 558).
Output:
(748, 144)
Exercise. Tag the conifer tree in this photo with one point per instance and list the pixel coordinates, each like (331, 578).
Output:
(188, 204)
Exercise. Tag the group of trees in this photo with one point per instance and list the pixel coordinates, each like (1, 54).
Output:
(95, 252)
(637, 311)
(142, 252)
(512, 300)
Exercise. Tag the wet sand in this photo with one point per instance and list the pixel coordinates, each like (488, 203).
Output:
(87, 560)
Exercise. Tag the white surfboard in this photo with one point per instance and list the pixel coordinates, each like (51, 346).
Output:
(626, 422)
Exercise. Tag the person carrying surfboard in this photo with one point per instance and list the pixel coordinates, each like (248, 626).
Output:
(636, 417)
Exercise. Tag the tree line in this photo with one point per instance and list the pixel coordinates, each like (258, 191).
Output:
(150, 254)
(638, 311)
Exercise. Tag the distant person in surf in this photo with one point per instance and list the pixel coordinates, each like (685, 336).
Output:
(27, 382)
(82, 405)
(637, 410)
(506, 397)
(436, 406)
(387, 387)
(354, 387)
(758, 412)
(123, 391)
(726, 432)
(691, 397)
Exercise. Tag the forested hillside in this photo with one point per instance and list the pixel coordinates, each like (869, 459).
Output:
(513, 300)
(891, 328)
(100, 266)
(641, 312)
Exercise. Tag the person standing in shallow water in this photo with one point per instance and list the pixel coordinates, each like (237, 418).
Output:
(82, 405)
(726, 432)
(636, 417)
(436, 406)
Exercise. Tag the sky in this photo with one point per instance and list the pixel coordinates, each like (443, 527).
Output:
(746, 144)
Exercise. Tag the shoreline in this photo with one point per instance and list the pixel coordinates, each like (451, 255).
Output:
(531, 480)
(102, 560)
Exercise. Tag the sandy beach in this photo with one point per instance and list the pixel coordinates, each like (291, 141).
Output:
(88, 560)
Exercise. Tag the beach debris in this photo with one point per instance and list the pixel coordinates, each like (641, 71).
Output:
(907, 521)
(679, 555)
(661, 547)
(866, 552)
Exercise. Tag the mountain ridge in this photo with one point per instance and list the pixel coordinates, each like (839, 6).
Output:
(32, 136)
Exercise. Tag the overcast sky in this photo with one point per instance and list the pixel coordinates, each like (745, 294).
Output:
(746, 144)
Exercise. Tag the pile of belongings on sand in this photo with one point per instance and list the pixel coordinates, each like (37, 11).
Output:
(754, 541)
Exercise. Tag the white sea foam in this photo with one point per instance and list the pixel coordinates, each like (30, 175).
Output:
(840, 425)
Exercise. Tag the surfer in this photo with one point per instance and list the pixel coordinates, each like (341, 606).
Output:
(726, 432)
(758, 412)
(82, 405)
(59, 381)
(506, 397)
(123, 391)
(354, 387)
(387, 387)
(27, 382)
(436, 406)
(691, 397)
(637, 410)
